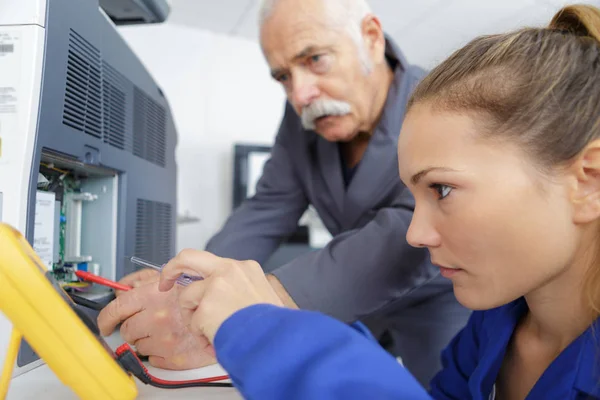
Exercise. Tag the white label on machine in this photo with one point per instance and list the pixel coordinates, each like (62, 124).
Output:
(43, 233)
(9, 59)
(10, 72)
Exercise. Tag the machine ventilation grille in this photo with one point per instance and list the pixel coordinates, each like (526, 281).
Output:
(114, 101)
(99, 102)
(149, 128)
(83, 96)
(153, 231)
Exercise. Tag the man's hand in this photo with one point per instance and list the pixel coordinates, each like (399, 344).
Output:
(153, 323)
(139, 278)
(228, 287)
(281, 292)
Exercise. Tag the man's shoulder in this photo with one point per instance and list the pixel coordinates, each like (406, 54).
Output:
(394, 51)
(412, 73)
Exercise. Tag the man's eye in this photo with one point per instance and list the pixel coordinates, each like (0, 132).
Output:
(441, 190)
(320, 63)
(282, 77)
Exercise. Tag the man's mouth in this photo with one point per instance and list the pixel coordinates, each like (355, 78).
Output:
(323, 118)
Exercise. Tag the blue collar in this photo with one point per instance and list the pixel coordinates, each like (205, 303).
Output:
(584, 350)
(588, 373)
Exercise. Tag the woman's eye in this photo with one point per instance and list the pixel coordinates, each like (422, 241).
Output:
(441, 190)
(315, 58)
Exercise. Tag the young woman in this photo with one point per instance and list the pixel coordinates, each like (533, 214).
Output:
(501, 150)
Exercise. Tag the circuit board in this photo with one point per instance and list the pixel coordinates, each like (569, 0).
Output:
(64, 184)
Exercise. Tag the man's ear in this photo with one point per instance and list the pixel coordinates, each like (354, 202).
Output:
(374, 38)
(585, 194)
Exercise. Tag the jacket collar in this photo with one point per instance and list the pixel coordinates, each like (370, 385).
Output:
(369, 183)
(587, 376)
(587, 379)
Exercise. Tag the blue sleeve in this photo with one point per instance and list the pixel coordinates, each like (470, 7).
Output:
(277, 353)
(459, 360)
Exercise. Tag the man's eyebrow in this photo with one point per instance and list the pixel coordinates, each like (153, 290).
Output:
(305, 52)
(419, 175)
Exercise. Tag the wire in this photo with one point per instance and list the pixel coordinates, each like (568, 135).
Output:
(54, 168)
(9, 361)
(130, 361)
(82, 301)
(76, 284)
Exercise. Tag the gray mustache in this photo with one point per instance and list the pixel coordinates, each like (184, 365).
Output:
(321, 108)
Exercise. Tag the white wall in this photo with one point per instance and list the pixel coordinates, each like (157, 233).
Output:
(220, 93)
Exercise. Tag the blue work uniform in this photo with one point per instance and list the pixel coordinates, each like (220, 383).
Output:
(277, 353)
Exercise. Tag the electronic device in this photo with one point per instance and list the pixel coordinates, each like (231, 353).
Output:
(87, 148)
(54, 326)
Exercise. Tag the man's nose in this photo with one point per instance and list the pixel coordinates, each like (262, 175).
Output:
(305, 91)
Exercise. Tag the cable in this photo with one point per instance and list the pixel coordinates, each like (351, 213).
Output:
(130, 361)
(49, 166)
(82, 301)
(79, 286)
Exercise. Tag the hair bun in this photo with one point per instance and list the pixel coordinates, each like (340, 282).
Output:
(579, 19)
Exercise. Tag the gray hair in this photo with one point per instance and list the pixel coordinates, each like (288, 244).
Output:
(346, 15)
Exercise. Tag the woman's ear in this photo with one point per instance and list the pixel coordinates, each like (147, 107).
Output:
(585, 195)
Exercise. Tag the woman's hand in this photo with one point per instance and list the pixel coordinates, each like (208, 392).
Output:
(228, 286)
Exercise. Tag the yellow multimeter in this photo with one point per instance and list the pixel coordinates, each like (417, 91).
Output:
(48, 319)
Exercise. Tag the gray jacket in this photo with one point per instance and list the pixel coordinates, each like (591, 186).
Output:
(368, 271)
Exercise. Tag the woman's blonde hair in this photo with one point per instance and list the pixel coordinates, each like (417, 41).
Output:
(537, 86)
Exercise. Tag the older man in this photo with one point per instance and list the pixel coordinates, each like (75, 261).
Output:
(347, 86)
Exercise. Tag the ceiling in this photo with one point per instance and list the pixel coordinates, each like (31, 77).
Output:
(426, 30)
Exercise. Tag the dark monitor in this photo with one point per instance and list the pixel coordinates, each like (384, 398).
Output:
(249, 160)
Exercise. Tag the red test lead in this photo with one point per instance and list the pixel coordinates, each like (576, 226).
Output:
(86, 276)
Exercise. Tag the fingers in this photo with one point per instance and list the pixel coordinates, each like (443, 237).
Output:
(118, 310)
(135, 279)
(144, 346)
(138, 278)
(191, 262)
(135, 328)
(190, 296)
(191, 352)
(175, 363)
(160, 362)
(149, 346)
(198, 325)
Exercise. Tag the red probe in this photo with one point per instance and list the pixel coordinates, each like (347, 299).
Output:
(86, 276)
